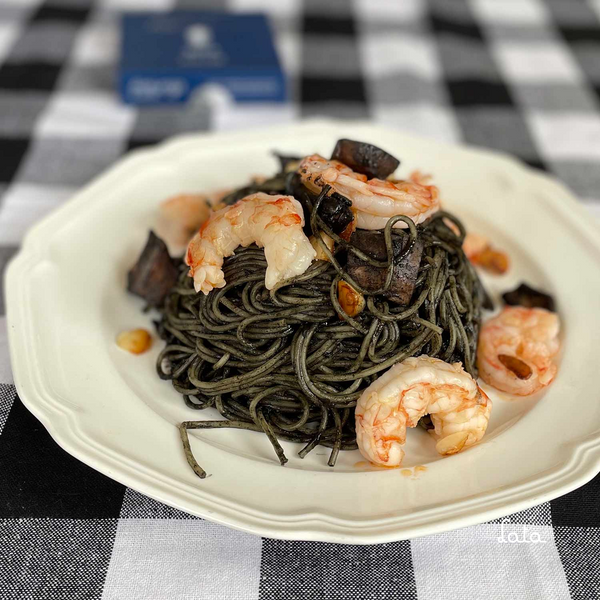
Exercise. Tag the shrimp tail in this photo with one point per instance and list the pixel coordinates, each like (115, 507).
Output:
(205, 265)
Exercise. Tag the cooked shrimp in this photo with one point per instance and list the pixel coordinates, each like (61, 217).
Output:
(216, 196)
(420, 178)
(473, 244)
(375, 200)
(481, 253)
(459, 410)
(272, 222)
(517, 349)
(180, 216)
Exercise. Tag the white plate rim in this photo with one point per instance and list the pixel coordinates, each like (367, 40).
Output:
(582, 464)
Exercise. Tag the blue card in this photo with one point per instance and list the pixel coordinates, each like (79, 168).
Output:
(166, 57)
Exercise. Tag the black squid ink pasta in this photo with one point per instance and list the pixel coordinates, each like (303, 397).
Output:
(289, 362)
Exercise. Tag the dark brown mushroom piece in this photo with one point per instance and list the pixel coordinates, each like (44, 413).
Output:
(154, 274)
(335, 212)
(365, 158)
(273, 185)
(529, 297)
(287, 163)
(335, 209)
(406, 266)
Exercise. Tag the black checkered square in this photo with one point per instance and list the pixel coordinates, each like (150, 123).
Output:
(41, 480)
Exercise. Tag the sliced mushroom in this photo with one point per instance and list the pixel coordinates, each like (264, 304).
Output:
(287, 163)
(272, 185)
(335, 209)
(365, 158)
(180, 217)
(529, 297)
(154, 274)
(350, 229)
(371, 278)
(351, 301)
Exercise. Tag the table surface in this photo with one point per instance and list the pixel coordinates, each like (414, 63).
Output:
(521, 76)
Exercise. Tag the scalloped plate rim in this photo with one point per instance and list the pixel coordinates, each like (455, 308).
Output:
(310, 526)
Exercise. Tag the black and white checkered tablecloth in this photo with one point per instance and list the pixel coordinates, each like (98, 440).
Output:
(517, 75)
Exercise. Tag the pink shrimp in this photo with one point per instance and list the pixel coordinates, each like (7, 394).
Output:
(459, 410)
(180, 216)
(272, 222)
(481, 253)
(374, 200)
(517, 349)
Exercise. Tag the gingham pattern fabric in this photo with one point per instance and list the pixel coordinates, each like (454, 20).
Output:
(522, 76)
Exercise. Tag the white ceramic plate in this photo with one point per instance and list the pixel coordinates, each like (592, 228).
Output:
(67, 302)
